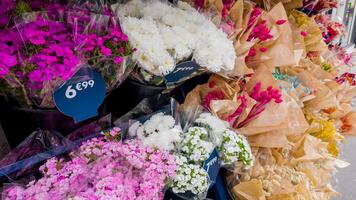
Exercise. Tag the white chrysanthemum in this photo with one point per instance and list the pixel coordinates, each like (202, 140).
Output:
(211, 48)
(179, 47)
(174, 32)
(233, 148)
(191, 178)
(159, 131)
(194, 145)
(151, 52)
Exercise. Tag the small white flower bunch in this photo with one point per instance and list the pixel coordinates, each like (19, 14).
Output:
(189, 177)
(195, 145)
(164, 35)
(160, 131)
(233, 148)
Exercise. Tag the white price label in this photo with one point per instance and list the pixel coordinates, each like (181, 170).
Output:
(72, 92)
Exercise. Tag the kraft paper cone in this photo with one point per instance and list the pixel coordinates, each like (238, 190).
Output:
(283, 45)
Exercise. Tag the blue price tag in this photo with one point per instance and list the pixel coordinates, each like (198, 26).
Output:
(80, 96)
(181, 71)
(212, 166)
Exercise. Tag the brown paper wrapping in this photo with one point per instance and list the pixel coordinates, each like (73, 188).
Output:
(348, 124)
(281, 44)
(249, 190)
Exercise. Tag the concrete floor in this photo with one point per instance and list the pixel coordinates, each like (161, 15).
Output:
(346, 177)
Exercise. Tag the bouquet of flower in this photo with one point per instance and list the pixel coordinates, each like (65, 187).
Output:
(46, 53)
(331, 30)
(104, 46)
(232, 147)
(175, 34)
(13, 8)
(259, 36)
(103, 168)
(160, 131)
(195, 146)
(189, 177)
(50, 47)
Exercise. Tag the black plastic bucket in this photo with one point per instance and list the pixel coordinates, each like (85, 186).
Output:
(19, 123)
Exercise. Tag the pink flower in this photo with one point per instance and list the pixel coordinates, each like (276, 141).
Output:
(8, 60)
(113, 133)
(124, 38)
(35, 36)
(260, 31)
(236, 114)
(252, 52)
(281, 21)
(118, 60)
(256, 12)
(102, 169)
(303, 33)
(262, 98)
(105, 51)
(213, 95)
(263, 49)
(121, 50)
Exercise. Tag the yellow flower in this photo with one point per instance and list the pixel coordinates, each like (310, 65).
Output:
(326, 67)
(301, 18)
(324, 130)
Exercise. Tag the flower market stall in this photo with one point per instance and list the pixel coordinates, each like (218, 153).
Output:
(189, 99)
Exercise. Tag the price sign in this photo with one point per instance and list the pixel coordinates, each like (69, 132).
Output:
(81, 96)
(71, 93)
(212, 166)
(182, 71)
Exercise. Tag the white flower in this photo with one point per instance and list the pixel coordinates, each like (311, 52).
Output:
(151, 53)
(159, 131)
(194, 146)
(190, 177)
(233, 148)
(173, 34)
(215, 126)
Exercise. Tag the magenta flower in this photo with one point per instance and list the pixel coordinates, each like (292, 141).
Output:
(8, 60)
(118, 60)
(213, 95)
(256, 12)
(252, 52)
(304, 34)
(263, 49)
(105, 51)
(35, 37)
(261, 32)
(262, 98)
(281, 21)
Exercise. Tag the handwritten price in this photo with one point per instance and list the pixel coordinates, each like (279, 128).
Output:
(72, 92)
